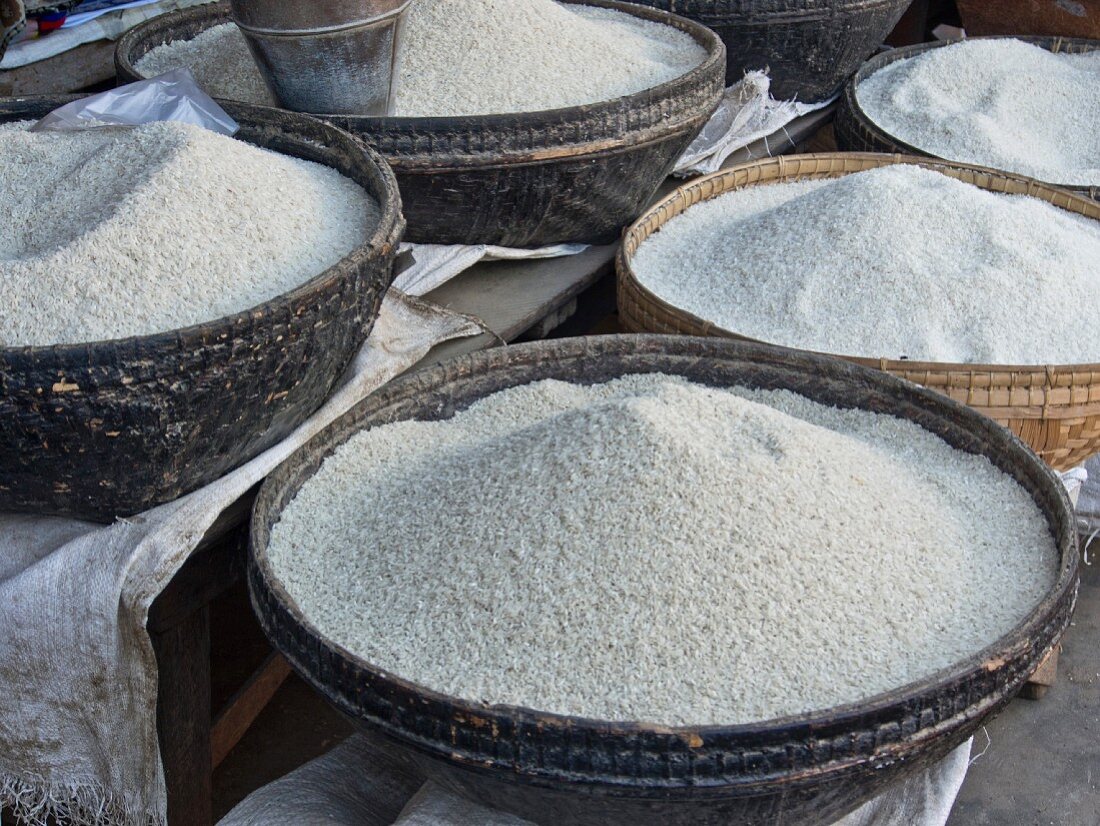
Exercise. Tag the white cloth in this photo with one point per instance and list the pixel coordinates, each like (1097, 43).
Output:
(354, 785)
(746, 114)
(106, 27)
(1088, 501)
(78, 703)
(436, 264)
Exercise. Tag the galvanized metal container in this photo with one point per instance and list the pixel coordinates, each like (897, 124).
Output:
(333, 58)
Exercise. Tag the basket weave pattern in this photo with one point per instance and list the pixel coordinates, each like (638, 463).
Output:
(1055, 409)
(809, 769)
(525, 179)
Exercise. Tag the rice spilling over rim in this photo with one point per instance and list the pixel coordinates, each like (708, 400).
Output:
(477, 57)
(1002, 103)
(652, 549)
(896, 262)
(127, 232)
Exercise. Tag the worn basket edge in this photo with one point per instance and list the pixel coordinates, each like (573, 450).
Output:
(717, 183)
(284, 483)
(385, 238)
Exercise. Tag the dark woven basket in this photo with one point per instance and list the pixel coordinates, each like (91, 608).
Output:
(112, 428)
(520, 180)
(856, 132)
(807, 770)
(811, 47)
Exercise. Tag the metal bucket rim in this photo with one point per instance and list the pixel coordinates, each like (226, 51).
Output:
(323, 30)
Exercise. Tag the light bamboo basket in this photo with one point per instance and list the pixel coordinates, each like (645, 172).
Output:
(1054, 408)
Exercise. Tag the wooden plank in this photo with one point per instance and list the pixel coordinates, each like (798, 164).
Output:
(1044, 677)
(245, 706)
(511, 297)
(67, 72)
(183, 718)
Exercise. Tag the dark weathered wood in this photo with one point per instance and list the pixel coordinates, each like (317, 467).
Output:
(809, 770)
(208, 572)
(183, 718)
(71, 71)
(242, 710)
(809, 47)
(912, 26)
(519, 180)
(1066, 18)
(856, 132)
(113, 428)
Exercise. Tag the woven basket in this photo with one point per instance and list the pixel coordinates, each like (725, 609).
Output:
(810, 47)
(806, 770)
(526, 179)
(1054, 408)
(856, 132)
(112, 428)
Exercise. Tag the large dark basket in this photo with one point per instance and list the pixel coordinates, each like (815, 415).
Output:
(520, 180)
(810, 769)
(112, 428)
(811, 47)
(856, 132)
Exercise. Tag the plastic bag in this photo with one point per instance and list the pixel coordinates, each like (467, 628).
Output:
(174, 96)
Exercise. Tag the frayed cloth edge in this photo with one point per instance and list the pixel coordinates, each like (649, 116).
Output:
(75, 804)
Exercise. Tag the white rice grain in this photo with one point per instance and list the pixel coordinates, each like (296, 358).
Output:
(125, 232)
(895, 262)
(471, 57)
(1000, 103)
(651, 549)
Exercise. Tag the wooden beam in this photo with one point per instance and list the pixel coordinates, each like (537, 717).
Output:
(1044, 677)
(245, 706)
(183, 718)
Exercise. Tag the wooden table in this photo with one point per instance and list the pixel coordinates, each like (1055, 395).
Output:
(513, 299)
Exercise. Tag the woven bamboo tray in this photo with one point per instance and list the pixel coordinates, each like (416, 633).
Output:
(1054, 408)
(856, 132)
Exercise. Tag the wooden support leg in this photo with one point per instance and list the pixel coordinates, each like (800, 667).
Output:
(246, 705)
(1043, 678)
(183, 718)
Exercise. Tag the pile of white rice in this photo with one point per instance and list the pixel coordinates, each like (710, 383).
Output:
(124, 232)
(474, 57)
(651, 549)
(1000, 103)
(895, 262)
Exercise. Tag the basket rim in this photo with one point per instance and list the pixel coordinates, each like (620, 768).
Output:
(296, 470)
(385, 236)
(678, 109)
(849, 98)
(866, 160)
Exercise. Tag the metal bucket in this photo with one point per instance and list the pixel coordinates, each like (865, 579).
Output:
(333, 58)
